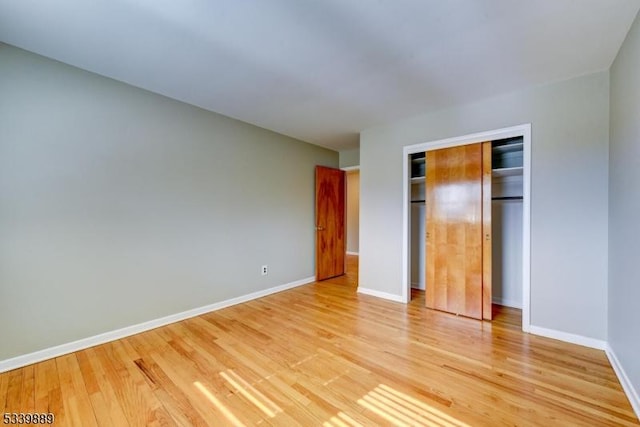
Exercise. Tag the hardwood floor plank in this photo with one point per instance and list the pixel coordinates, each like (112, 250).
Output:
(27, 394)
(46, 386)
(173, 398)
(208, 402)
(321, 354)
(77, 405)
(14, 388)
(4, 393)
(104, 400)
(126, 388)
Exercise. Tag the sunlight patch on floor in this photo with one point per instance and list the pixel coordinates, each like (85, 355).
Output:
(223, 409)
(252, 394)
(341, 420)
(403, 410)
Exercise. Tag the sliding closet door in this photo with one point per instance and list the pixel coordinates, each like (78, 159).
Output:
(487, 312)
(454, 224)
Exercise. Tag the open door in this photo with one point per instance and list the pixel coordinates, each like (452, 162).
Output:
(458, 225)
(330, 222)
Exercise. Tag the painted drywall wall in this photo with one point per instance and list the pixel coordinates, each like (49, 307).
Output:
(119, 206)
(570, 122)
(349, 158)
(624, 206)
(353, 211)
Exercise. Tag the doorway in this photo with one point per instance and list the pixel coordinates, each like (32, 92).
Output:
(353, 210)
(337, 222)
(522, 131)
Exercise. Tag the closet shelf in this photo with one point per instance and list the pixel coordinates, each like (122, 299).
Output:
(417, 179)
(508, 148)
(507, 171)
(418, 160)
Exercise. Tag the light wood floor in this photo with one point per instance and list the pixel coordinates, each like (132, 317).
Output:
(322, 355)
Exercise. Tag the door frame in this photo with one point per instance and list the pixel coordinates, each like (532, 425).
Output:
(524, 131)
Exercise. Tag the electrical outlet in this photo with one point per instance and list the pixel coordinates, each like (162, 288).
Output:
(265, 270)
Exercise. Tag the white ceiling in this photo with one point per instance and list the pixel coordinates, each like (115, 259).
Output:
(322, 71)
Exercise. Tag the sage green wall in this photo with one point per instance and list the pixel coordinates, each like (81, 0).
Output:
(624, 208)
(119, 206)
(349, 158)
(570, 133)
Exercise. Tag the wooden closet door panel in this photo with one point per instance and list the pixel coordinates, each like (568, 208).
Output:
(487, 312)
(454, 234)
(429, 235)
(471, 217)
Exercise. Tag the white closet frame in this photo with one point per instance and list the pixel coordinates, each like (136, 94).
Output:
(524, 131)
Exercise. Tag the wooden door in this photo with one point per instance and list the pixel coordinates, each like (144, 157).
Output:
(330, 222)
(487, 312)
(455, 247)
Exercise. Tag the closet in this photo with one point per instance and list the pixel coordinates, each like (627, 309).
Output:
(466, 226)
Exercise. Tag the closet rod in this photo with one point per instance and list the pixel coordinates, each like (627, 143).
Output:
(507, 198)
(493, 198)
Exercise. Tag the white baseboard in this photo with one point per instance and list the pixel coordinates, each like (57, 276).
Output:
(59, 350)
(353, 253)
(567, 337)
(379, 294)
(627, 386)
(508, 303)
